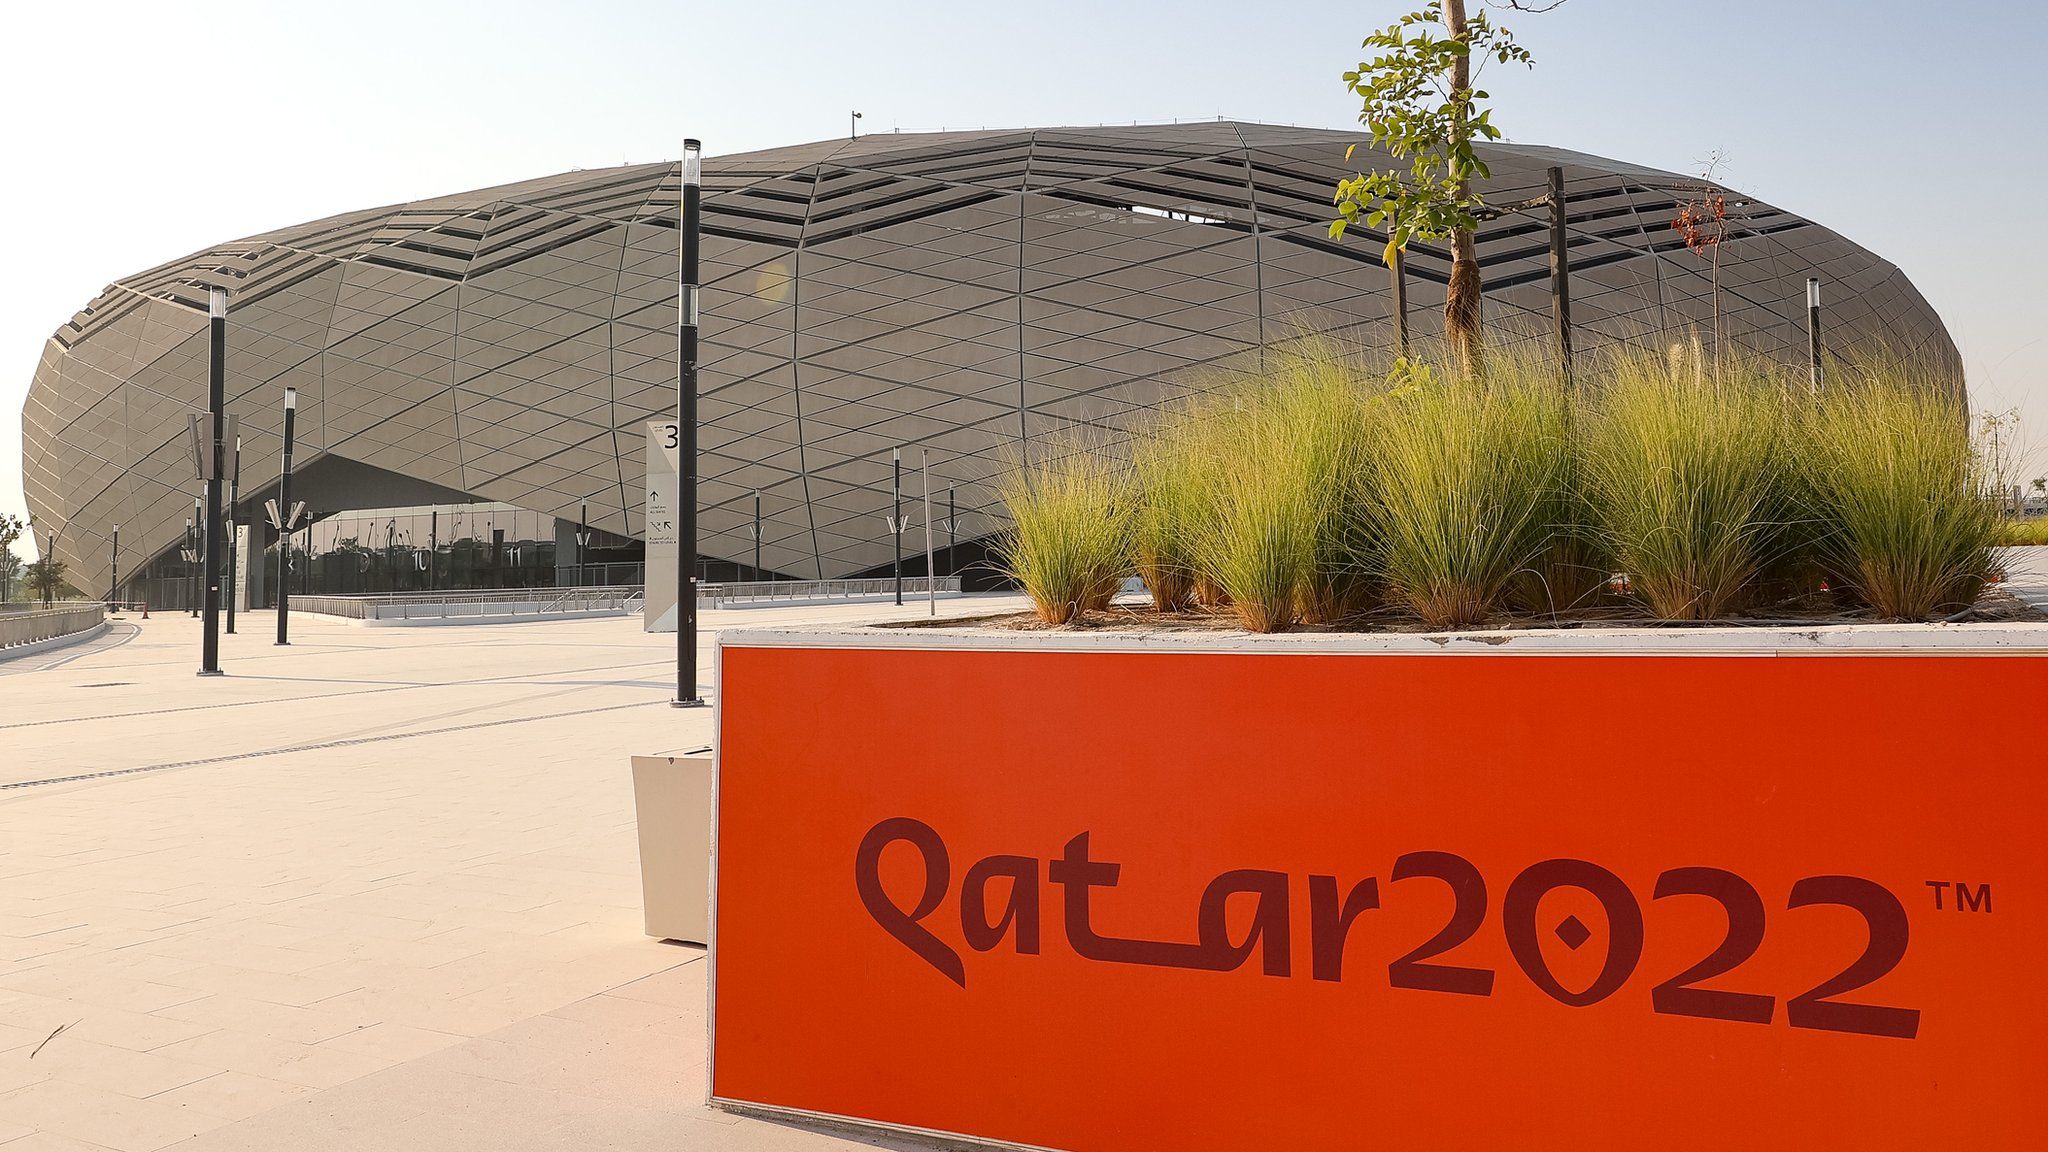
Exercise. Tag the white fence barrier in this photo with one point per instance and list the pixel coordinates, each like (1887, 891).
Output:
(529, 603)
(28, 627)
(783, 591)
(500, 604)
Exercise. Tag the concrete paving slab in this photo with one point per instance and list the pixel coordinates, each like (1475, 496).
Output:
(378, 889)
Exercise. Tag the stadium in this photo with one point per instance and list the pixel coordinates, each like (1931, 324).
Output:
(474, 372)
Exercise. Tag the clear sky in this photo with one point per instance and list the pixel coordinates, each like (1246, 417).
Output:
(134, 133)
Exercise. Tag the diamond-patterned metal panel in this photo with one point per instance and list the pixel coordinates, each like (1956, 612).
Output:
(971, 294)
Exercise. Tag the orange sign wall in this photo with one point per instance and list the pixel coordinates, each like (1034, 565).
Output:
(1230, 900)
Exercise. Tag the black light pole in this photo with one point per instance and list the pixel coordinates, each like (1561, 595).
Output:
(1560, 276)
(686, 427)
(114, 581)
(1813, 333)
(234, 529)
(757, 533)
(952, 534)
(216, 408)
(582, 543)
(284, 525)
(853, 127)
(197, 525)
(896, 524)
(49, 552)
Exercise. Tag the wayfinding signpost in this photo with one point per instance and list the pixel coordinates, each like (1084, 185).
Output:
(664, 520)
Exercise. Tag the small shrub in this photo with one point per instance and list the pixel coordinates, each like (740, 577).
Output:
(1473, 486)
(1896, 487)
(1689, 483)
(1069, 538)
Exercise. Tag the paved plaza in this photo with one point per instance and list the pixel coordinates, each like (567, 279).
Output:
(377, 890)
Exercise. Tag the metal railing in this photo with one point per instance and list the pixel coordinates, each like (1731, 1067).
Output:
(23, 607)
(786, 591)
(29, 627)
(509, 603)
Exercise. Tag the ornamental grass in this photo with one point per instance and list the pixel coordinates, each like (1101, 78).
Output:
(2023, 533)
(1473, 482)
(1320, 491)
(1895, 491)
(1172, 471)
(1690, 483)
(1270, 478)
(1069, 540)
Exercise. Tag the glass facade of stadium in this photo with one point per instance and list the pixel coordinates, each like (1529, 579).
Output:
(475, 371)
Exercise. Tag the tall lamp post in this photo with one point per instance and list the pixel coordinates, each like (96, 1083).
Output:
(896, 520)
(49, 552)
(284, 526)
(931, 580)
(686, 427)
(114, 581)
(582, 544)
(196, 524)
(234, 530)
(1813, 379)
(216, 408)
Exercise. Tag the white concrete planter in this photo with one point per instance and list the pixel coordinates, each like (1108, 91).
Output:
(672, 799)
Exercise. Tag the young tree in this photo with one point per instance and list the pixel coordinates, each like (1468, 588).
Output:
(46, 579)
(11, 528)
(1420, 106)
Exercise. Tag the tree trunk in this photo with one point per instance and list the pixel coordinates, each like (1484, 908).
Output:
(1462, 299)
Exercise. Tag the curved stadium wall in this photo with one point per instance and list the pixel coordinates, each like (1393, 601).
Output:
(967, 293)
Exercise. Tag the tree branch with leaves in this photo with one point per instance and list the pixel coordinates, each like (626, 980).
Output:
(1419, 103)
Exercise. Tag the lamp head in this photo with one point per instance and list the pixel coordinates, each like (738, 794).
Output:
(291, 399)
(693, 162)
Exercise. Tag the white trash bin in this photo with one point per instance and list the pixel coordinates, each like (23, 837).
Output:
(672, 801)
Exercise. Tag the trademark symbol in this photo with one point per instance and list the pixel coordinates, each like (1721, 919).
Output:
(1967, 898)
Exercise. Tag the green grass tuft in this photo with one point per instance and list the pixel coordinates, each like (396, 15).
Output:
(1896, 494)
(1690, 483)
(2022, 533)
(1316, 489)
(1473, 481)
(1069, 541)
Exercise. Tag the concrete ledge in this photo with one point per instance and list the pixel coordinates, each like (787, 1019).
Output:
(1771, 640)
(35, 646)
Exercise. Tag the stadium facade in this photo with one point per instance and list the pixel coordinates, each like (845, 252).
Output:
(493, 355)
